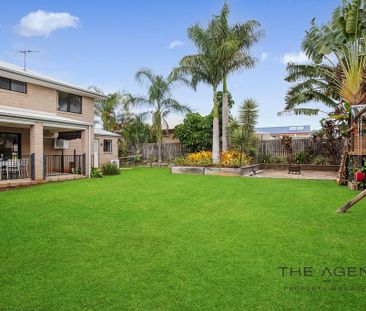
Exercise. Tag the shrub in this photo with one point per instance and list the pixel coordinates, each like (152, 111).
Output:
(204, 158)
(200, 158)
(96, 172)
(110, 169)
(302, 157)
(279, 160)
(265, 158)
(320, 160)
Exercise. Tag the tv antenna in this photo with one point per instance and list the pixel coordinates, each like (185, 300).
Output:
(25, 53)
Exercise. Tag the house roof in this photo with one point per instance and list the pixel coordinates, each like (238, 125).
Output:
(12, 71)
(28, 115)
(101, 132)
(293, 129)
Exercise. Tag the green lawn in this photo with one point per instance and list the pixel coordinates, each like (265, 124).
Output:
(149, 240)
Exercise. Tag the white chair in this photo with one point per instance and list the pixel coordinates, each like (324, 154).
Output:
(24, 163)
(12, 166)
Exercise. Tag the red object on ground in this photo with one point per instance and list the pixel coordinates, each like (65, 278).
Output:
(359, 176)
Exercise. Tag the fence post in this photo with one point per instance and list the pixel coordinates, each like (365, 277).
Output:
(44, 166)
(84, 164)
(33, 169)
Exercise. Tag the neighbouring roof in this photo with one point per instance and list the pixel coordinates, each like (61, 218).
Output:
(12, 71)
(293, 129)
(34, 115)
(101, 132)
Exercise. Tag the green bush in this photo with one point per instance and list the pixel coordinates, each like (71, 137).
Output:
(279, 160)
(302, 157)
(320, 160)
(110, 169)
(96, 172)
(265, 158)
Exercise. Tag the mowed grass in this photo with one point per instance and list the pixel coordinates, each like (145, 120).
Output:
(149, 240)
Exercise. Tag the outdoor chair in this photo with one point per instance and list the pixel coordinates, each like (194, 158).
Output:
(295, 169)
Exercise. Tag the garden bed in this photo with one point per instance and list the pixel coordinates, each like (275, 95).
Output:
(222, 171)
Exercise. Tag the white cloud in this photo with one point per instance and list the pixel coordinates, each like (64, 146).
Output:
(41, 23)
(175, 44)
(264, 56)
(298, 58)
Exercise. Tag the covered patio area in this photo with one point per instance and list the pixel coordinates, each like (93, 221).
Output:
(36, 150)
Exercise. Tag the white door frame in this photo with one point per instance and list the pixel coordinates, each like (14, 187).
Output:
(96, 152)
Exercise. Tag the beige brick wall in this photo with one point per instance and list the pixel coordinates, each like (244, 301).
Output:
(36, 147)
(105, 157)
(45, 99)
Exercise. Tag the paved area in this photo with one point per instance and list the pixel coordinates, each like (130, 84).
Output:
(321, 175)
(25, 182)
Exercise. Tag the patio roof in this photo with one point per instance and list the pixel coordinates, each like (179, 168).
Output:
(27, 116)
(101, 132)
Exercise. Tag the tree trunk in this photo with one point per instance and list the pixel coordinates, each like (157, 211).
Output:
(159, 152)
(225, 117)
(216, 133)
(349, 204)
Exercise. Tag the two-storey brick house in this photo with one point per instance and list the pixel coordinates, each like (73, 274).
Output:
(47, 127)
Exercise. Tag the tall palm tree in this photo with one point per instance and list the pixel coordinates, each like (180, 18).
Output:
(206, 67)
(235, 42)
(159, 100)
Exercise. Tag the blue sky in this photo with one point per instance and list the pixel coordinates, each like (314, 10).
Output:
(104, 43)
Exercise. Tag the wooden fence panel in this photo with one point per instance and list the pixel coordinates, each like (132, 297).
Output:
(275, 147)
(169, 151)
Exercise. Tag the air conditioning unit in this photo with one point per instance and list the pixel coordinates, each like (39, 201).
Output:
(116, 162)
(61, 144)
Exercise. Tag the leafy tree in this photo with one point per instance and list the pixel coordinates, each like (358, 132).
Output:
(159, 100)
(195, 133)
(234, 43)
(136, 132)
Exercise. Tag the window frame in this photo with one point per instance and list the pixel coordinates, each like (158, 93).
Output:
(104, 145)
(69, 95)
(11, 81)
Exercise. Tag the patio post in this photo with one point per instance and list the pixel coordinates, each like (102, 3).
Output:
(36, 148)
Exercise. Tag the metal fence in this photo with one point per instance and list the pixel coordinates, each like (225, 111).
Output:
(64, 164)
(15, 168)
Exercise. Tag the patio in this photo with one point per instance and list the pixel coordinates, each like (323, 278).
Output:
(305, 174)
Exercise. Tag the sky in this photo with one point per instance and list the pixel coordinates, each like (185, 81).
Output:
(104, 43)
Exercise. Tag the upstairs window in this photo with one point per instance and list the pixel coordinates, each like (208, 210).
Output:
(13, 85)
(107, 145)
(69, 102)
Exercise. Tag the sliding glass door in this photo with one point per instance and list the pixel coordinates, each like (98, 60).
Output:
(9, 146)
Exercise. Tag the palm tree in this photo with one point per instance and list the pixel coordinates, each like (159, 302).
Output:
(106, 110)
(159, 100)
(206, 67)
(243, 130)
(313, 83)
(234, 43)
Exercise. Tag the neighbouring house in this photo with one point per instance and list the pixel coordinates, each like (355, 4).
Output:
(47, 127)
(294, 131)
(168, 136)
